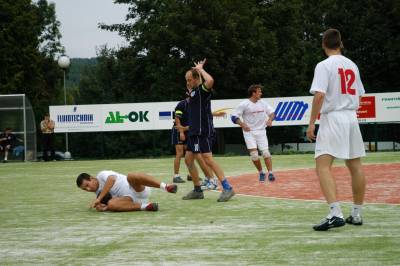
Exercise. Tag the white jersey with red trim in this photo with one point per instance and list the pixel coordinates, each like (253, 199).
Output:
(338, 77)
(254, 114)
(121, 186)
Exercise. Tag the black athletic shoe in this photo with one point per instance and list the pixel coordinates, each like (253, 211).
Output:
(171, 188)
(326, 223)
(189, 178)
(152, 207)
(178, 179)
(355, 220)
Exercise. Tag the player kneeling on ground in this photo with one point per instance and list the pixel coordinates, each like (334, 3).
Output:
(119, 193)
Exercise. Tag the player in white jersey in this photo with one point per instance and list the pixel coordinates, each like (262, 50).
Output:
(118, 192)
(337, 89)
(253, 115)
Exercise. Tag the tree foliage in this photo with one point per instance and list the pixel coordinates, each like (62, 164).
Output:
(29, 41)
(275, 43)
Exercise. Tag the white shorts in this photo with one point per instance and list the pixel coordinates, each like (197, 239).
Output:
(339, 135)
(138, 197)
(256, 139)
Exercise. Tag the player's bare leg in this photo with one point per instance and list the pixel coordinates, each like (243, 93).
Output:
(141, 180)
(358, 181)
(358, 184)
(254, 158)
(227, 191)
(210, 182)
(209, 160)
(194, 173)
(326, 180)
(196, 193)
(328, 187)
(179, 154)
(125, 204)
(204, 167)
(122, 204)
(268, 163)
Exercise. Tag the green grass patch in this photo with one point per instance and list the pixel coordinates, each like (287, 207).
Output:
(45, 219)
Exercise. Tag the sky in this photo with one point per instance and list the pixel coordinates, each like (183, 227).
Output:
(79, 25)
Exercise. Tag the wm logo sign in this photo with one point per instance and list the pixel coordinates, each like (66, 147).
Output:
(293, 110)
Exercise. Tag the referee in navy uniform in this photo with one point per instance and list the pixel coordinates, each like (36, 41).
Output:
(201, 131)
(179, 136)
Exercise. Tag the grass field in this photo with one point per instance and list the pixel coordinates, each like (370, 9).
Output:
(45, 219)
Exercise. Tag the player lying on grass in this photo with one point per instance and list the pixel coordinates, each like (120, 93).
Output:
(119, 193)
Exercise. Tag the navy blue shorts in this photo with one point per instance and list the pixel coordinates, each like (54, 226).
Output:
(175, 140)
(200, 144)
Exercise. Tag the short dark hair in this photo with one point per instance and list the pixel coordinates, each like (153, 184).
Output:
(81, 177)
(195, 73)
(332, 39)
(253, 88)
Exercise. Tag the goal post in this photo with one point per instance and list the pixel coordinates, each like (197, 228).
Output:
(16, 112)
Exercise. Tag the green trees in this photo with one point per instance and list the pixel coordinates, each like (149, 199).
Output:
(29, 41)
(276, 43)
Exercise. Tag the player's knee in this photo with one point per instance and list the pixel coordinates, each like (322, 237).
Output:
(133, 178)
(254, 155)
(208, 160)
(266, 153)
(112, 205)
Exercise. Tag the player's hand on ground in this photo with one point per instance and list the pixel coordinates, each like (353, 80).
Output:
(101, 207)
(311, 132)
(95, 203)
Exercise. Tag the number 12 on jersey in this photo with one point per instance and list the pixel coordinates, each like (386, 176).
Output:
(347, 78)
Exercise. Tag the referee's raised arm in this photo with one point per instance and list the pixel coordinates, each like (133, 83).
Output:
(208, 79)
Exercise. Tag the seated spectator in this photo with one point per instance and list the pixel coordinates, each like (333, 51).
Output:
(7, 142)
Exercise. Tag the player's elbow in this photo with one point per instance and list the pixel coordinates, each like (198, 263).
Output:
(319, 97)
(210, 83)
(234, 119)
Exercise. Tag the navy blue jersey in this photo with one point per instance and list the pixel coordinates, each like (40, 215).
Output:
(7, 139)
(199, 109)
(181, 111)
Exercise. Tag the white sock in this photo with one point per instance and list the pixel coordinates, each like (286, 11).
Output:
(356, 210)
(261, 172)
(143, 206)
(177, 175)
(335, 210)
(163, 186)
(270, 172)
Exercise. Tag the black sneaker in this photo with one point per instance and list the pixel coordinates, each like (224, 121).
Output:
(189, 178)
(178, 179)
(152, 207)
(226, 195)
(326, 223)
(271, 177)
(171, 188)
(355, 220)
(194, 195)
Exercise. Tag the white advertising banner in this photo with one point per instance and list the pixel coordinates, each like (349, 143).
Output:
(374, 108)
